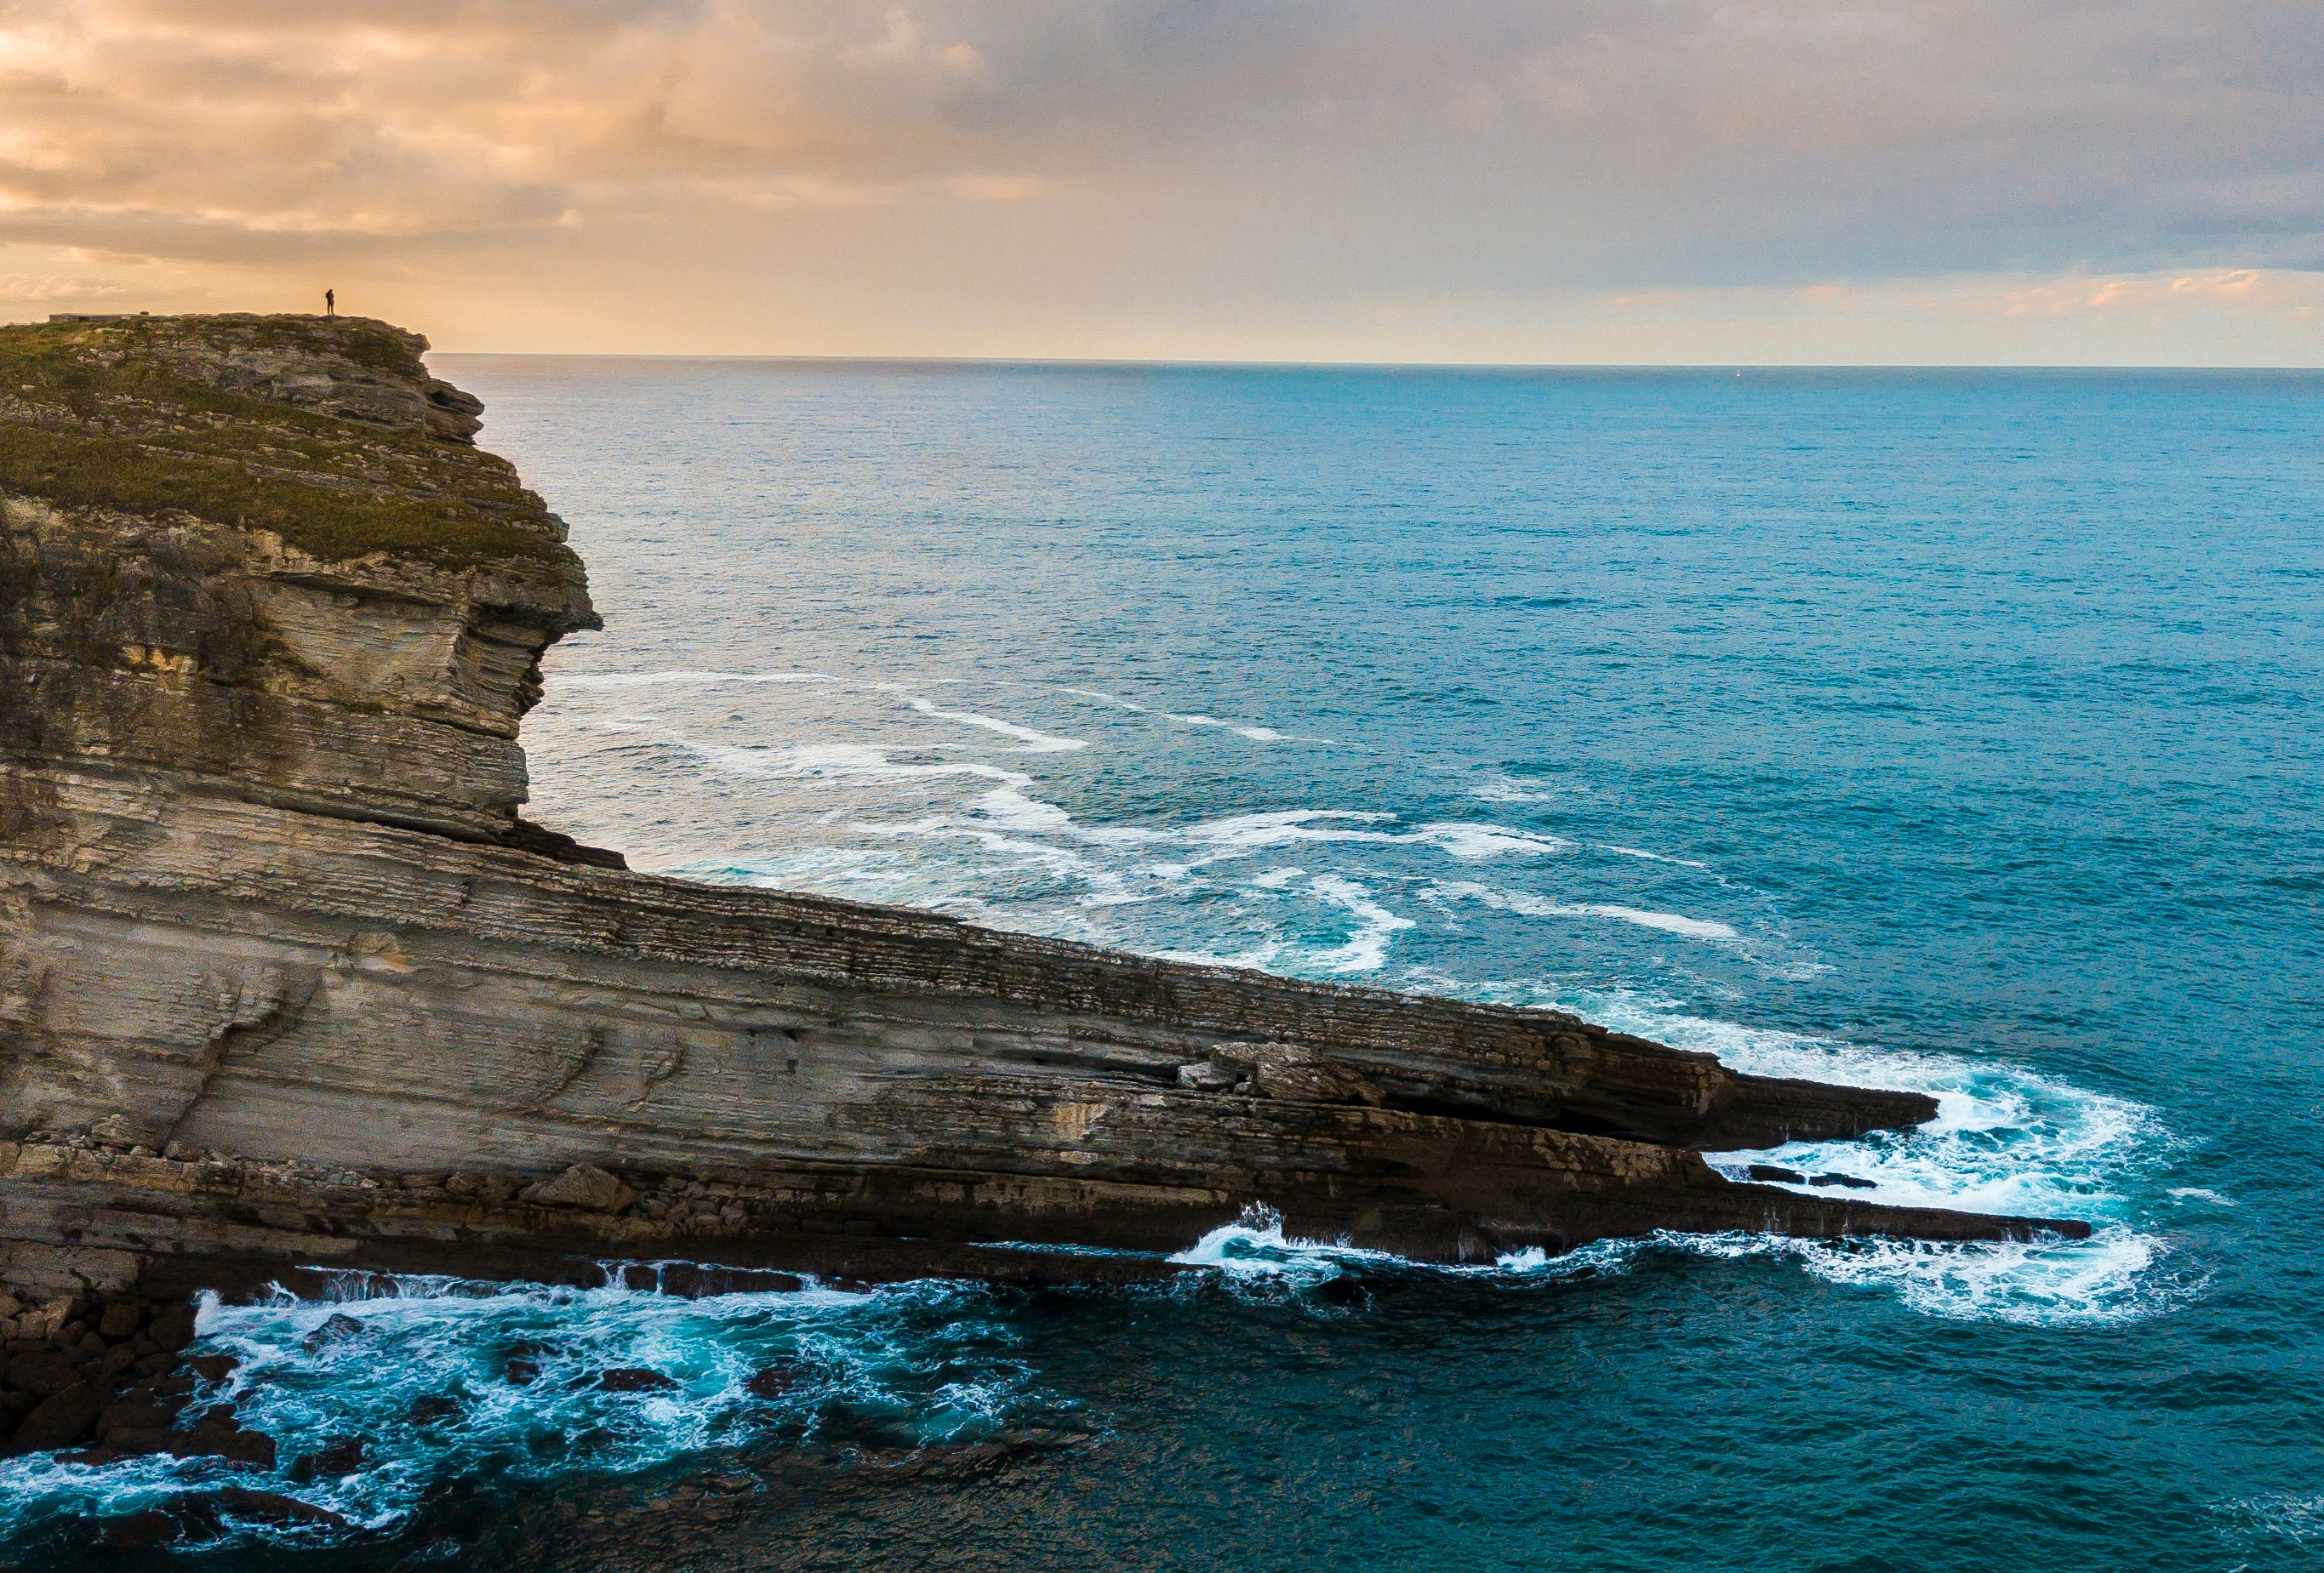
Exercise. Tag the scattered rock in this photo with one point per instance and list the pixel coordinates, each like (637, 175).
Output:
(583, 1185)
(1773, 1174)
(432, 1410)
(173, 1329)
(215, 1436)
(121, 1319)
(129, 1416)
(341, 1458)
(1849, 1180)
(777, 1382)
(1202, 1076)
(633, 1379)
(44, 1372)
(273, 1507)
(521, 1370)
(59, 1421)
(150, 1526)
(336, 1328)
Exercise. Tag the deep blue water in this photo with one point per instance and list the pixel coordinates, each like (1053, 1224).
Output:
(1949, 729)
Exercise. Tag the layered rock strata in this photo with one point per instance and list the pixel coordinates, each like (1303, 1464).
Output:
(286, 981)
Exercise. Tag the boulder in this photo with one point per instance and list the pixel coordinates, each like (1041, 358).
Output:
(59, 1421)
(583, 1185)
(44, 1372)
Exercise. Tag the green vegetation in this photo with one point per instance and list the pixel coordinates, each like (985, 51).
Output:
(126, 415)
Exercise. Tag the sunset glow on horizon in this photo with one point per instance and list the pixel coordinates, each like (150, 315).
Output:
(1575, 182)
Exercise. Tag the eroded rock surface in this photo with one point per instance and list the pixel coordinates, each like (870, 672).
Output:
(286, 980)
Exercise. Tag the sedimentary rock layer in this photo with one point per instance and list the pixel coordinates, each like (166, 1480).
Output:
(285, 978)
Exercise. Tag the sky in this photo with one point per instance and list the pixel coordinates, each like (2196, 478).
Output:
(1596, 181)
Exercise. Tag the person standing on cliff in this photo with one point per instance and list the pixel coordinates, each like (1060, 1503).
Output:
(330, 303)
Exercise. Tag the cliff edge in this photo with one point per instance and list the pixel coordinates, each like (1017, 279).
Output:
(286, 980)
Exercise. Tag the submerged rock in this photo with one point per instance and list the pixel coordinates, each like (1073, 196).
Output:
(332, 1462)
(633, 1379)
(336, 1328)
(288, 980)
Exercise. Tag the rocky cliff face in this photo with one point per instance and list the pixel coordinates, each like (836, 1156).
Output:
(286, 980)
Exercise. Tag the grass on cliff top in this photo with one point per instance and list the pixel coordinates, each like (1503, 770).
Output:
(90, 416)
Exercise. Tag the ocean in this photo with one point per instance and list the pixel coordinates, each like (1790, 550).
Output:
(1958, 730)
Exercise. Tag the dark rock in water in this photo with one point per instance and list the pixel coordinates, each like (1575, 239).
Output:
(273, 1507)
(341, 1458)
(633, 1379)
(521, 1370)
(150, 1526)
(254, 1449)
(1770, 1174)
(212, 1367)
(132, 1440)
(1849, 1180)
(432, 1410)
(336, 1328)
(59, 1421)
(777, 1382)
(210, 1438)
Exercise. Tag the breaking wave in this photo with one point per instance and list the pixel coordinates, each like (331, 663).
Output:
(438, 1378)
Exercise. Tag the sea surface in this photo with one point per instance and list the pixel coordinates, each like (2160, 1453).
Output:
(1946, 730)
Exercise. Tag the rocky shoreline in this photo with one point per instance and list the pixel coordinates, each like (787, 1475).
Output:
(287, 983)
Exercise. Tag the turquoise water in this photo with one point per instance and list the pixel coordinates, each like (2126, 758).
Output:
(1953, 730)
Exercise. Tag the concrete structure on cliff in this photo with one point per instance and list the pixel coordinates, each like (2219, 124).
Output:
(286, 980)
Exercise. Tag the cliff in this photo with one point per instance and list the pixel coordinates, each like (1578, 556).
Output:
(286, 980)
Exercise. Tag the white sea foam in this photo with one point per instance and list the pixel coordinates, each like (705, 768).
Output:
(1251, 730)
(1473, 843)
(841, 759)
(1366, 950)
(1509, 790)
(2113, 1278)
(1530, 905)
(1641, 853)
(1035, 741)
(1255, 1258)
(664, 680)
(2294, 1516)
(866, 1354)
(1115, 699)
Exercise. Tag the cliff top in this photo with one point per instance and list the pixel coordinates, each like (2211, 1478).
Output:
(327, 431)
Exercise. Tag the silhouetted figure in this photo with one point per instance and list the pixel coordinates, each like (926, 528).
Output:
(330, 303)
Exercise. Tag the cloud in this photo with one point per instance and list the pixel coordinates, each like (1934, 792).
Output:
(1106, 158)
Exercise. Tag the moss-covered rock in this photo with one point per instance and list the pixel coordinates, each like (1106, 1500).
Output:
(329, 432)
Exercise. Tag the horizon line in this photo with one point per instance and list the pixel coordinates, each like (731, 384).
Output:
(1106, 362)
